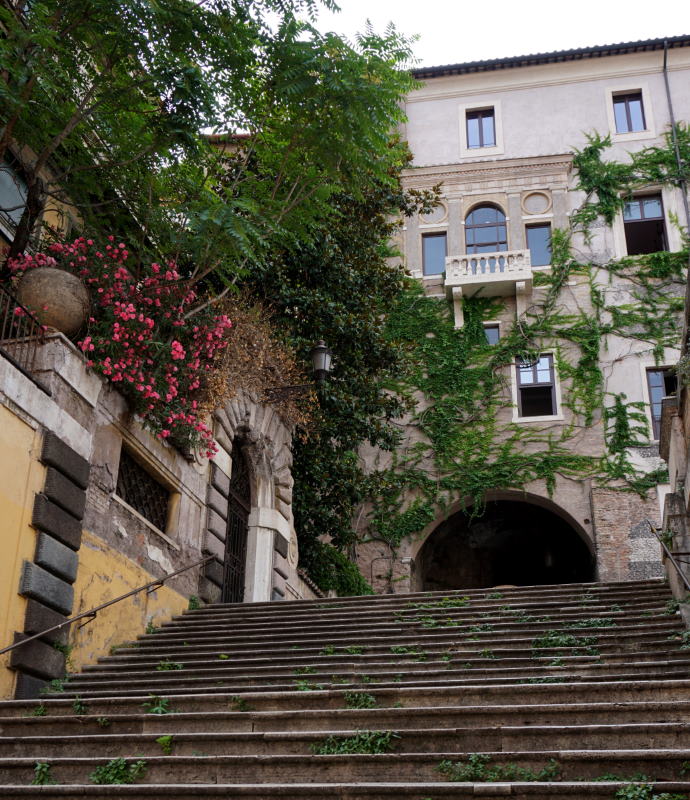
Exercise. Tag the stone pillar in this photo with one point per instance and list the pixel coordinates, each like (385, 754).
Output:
(269, 534)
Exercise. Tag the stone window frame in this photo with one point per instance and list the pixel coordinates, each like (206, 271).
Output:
(481, 104)
(646, 367)
(150, 464)
(616, 90)
(558, 416)
(427, 234)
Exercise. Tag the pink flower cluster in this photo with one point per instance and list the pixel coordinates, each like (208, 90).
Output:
(139, 338)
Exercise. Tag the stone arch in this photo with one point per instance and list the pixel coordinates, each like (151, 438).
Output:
(519, 538)
(271, 547)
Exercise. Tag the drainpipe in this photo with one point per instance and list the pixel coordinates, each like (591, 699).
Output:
(682, 185)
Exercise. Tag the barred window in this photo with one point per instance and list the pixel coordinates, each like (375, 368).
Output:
(140, 490)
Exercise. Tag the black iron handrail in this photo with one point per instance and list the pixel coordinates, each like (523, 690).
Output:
(670, 556)
(91, 613)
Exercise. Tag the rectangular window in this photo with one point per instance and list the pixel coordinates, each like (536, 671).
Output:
(140, 490)
(434, 253)
(539, 244)
(643, 220)
(481, 129)
(628, 112)
(536, 387)
(661, 383)
(492, 333)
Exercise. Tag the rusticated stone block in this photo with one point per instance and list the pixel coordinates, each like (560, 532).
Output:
(56, 558)
(56, 453)
(280, 564)
(220, 480)
(209, 592)
(38, 658)
(217, 502)
(46, 588)
(39, 618)
(280, 544)
(214, 547)
(66, 494)
(216, 524)
(276, 594)
(28, 686)
(52, 519)
(214, 572)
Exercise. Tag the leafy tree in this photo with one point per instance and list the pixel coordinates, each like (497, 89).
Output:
(340, 287)
(106, 107)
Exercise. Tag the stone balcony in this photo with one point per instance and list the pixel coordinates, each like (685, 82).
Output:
(488, 275)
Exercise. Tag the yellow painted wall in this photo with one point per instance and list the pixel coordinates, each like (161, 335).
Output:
(104, 574)
(21, 476)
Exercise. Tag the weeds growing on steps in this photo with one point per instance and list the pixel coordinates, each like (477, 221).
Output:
(644, 791)
(239, 703)
(594, 622)
(157, 705)
(478, 769)
(360, 700)
(39, 711)
(304, 670)
(167, 666)
(118, 770)
(166, 744)
(78, 706)
(363, 742)
(42, 775)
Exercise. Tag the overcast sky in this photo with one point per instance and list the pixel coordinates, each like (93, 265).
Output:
(454, 31)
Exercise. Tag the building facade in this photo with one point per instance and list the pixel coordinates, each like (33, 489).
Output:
(501, 138)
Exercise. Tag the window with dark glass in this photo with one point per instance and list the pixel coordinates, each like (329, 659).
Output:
(539, 244)
(536, 387)
(629, 112)
(12, 199)
(481, 129)
(434, 253)
(140, 490)
(492, 333)
(643, 220)
(485, 230)
(661, 383)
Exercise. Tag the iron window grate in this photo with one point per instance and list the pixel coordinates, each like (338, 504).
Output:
(142, 491)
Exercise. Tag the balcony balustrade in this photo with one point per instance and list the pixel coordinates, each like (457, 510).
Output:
(488, 275)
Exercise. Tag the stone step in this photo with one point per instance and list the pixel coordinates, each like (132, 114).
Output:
(397, 636)
(648, 606)
(409, 696)
(658, 764)
(431, 672)
(524, 738)
(580, 790)
(215, 717)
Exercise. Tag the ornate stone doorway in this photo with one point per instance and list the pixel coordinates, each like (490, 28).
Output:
(239, 506)
(512, 542)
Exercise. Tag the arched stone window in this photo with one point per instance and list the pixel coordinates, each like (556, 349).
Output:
(485, 230)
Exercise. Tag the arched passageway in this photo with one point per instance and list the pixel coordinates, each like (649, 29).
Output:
(512, 542)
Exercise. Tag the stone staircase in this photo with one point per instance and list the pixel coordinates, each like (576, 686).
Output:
(536, 692)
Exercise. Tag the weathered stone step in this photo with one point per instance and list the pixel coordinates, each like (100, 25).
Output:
(215, 717)
(214, 615)
(439, 672)
(411, 740)
(397, 636)
(632, 589)
(659, 764)
(341, 791)
(409, 696)
(345, 661)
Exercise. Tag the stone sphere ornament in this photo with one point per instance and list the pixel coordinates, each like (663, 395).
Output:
(57, 298)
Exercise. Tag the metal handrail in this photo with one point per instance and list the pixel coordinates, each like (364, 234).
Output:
(20, 335)
(91, 613)
(670, 555)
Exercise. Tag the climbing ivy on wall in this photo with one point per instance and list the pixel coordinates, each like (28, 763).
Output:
(466, 443)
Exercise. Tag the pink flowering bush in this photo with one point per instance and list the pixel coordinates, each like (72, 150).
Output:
(139, 339)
